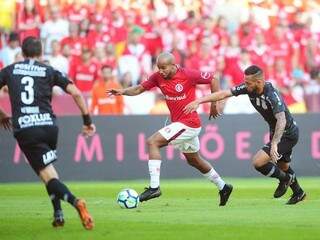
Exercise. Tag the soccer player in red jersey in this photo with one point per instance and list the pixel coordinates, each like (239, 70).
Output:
(178, 87)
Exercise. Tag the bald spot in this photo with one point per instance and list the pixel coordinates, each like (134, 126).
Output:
(165, 58)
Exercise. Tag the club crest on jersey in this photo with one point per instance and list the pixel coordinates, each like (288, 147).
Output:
(179, 87)
(205, 75)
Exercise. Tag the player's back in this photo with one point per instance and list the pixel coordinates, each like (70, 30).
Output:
(30, 88)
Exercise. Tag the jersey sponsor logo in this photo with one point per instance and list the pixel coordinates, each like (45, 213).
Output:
(50, 156)
(29, 70)
(179, 87)
(30, 110)
(205, 75)
(178, 98)
(35, 120)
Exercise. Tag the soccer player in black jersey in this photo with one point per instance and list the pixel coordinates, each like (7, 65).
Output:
(34, 125)
(273, 160)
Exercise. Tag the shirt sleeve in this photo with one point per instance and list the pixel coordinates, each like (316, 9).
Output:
(61, 80)
(239, 90)
(151, 82)
(198, 77)
(276, 101)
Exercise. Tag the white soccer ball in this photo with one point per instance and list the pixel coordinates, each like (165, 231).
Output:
(128, 198)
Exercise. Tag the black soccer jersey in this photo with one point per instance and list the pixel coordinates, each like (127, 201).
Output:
(30, 88)
(268, 104)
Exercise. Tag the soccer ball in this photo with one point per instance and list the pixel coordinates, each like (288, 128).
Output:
(128, 198)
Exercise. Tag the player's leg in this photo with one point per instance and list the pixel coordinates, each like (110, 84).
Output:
(298, 193)
(154, 143)
(195, 160)
(31, 143)
(285, 150)
(59, 190)
(261, 162)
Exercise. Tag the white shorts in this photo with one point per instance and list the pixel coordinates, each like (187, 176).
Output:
(182, 137)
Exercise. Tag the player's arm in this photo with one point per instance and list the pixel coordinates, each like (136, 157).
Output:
(278, 109)
(214, 108)
(88, 128)
(214, 97)
(130, 91)
(5, 121)
(278, 132)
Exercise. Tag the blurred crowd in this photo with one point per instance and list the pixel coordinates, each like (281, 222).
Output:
(103, 44)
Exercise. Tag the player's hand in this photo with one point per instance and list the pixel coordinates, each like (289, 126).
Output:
(274, 153)
(111, 92)
(214, 110)
(88, 131)
(5, 122)
(191, 107)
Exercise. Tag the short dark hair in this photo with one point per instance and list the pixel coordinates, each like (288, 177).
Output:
(13, 36)
(32, 47)
(253, 70)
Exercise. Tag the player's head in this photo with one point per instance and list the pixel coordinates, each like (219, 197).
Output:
(254, 79)
(31, 47)
(166, 65)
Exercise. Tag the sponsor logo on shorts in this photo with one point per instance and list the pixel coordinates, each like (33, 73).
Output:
(50, 156)
(167, 130)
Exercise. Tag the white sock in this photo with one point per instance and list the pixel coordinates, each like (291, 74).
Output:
(214, 177)
(154, 170)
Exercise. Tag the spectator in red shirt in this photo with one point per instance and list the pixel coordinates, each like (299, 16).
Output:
(76, 11)
(74, 40)
(83, 71)
(28, 21)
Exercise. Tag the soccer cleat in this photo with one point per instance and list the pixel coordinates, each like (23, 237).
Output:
(58, 220)
(297, 197)
(84, 215)
(150, 193)
(225, 194)
(283, 186)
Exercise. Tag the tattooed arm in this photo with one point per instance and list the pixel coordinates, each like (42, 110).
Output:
(279, 129)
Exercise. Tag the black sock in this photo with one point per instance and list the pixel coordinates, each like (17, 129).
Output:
(273, 171)
(54, 200)
(61, 191)
(295, 185)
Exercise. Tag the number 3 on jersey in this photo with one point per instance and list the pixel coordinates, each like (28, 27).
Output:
(27, 96)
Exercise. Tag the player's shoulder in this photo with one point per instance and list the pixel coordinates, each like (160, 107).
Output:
(154, 76)
(186, 71)
(269, 89)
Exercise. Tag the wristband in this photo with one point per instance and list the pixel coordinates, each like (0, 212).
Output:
(86, 119)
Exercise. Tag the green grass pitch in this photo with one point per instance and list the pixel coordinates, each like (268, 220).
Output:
(188, 209)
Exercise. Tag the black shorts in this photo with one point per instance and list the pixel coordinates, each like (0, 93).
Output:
(285, 146)
(38, 145)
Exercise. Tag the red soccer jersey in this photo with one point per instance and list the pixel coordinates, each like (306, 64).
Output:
(179, 91)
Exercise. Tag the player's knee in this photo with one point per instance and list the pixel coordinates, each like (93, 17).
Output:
(192, 161)
(257, 163)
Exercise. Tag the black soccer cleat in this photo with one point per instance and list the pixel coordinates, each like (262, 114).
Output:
(283, 186)
(297, 197)
(58, 220)
(225, 194)
(149, 193)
